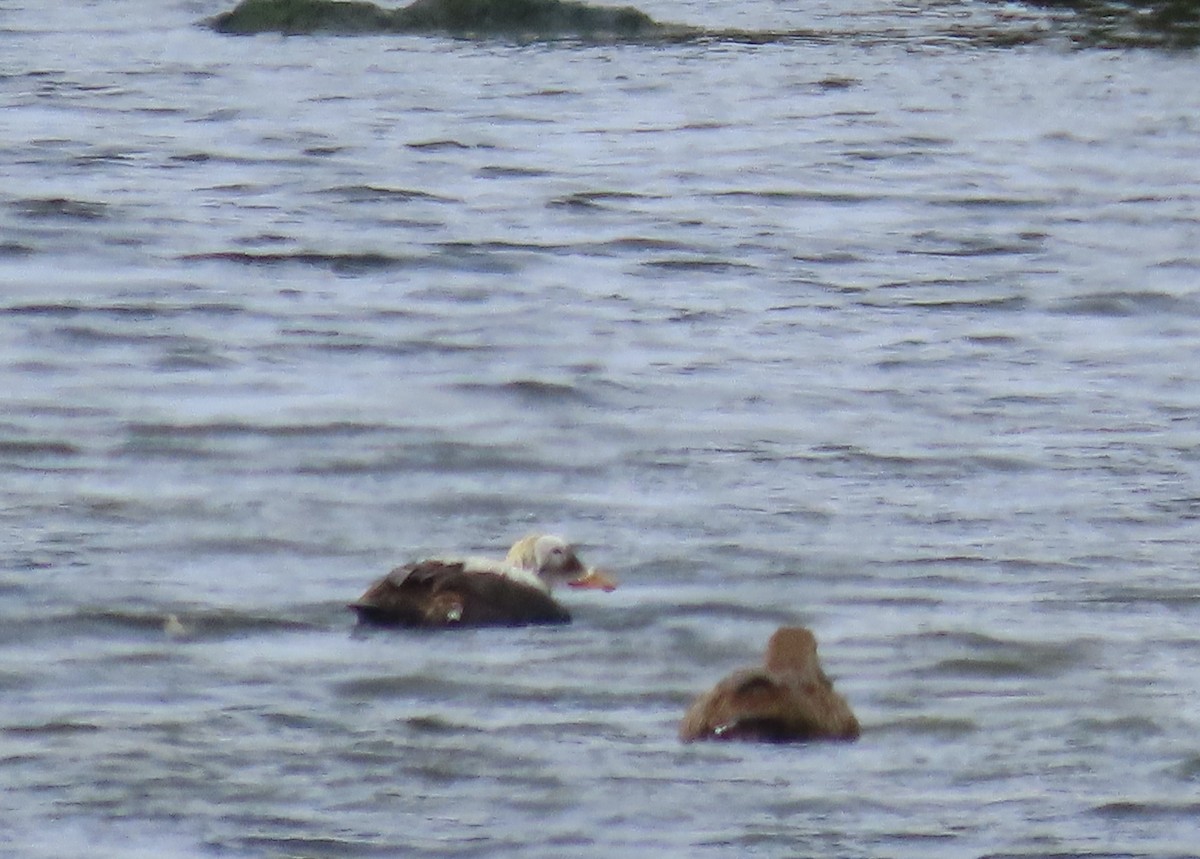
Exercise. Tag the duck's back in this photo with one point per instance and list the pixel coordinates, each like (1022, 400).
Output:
(757, 704)
(444, 593)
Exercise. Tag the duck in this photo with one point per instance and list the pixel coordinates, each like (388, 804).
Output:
(787, 699)
(471, 592)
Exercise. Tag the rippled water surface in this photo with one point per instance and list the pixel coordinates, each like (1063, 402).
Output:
(889, 330)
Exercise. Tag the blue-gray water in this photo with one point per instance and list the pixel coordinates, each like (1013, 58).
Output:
(888, 332)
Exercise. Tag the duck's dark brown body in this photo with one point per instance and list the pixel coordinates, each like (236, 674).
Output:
(789, 699)
(440, 593)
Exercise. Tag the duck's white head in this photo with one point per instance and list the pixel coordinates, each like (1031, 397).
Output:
(554, 560)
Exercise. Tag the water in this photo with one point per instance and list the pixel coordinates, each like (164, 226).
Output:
(889, 331)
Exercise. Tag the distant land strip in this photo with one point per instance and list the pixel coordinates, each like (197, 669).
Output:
(1172, 24)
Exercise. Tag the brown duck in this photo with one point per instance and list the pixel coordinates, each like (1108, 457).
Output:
(479, 591)
(789, 699)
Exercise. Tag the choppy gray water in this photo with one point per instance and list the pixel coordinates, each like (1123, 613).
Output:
(886, 331)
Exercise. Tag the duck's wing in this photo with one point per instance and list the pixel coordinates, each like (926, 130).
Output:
(747, 705)
(759, 705)
(441, 593)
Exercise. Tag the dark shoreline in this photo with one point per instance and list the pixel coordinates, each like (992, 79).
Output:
(1171, 24)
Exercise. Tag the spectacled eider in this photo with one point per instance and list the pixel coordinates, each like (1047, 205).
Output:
(479, 591)
(789, 699)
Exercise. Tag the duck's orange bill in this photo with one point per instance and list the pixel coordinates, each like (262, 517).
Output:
(596, 580)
